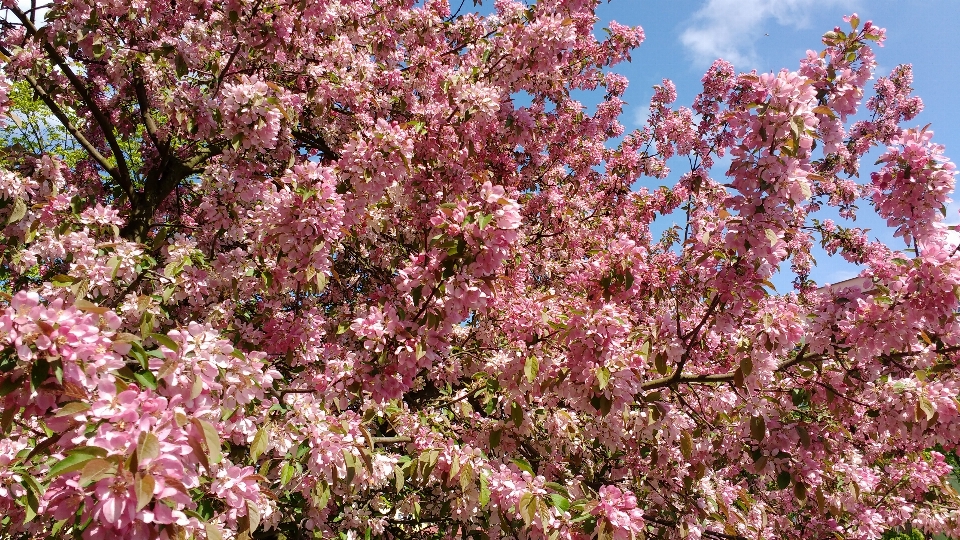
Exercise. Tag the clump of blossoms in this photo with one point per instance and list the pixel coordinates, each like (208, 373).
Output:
(311, 271)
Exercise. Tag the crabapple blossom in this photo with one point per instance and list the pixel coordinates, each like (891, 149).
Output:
(316, 270)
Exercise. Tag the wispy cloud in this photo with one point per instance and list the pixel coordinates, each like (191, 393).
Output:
(640, 116)
(729, 29)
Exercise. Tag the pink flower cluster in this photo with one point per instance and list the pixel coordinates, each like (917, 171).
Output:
(619, 511)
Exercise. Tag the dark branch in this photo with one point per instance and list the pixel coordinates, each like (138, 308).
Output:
(65, 121)
(121, 173)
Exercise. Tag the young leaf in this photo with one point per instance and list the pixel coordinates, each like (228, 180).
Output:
(531, 367)
(528, 508)
(166, 341)
(148, 447)
(143, 486)
(259, 444)
(686, 445)
(253, 515)
(75, 460)
(210, 440)
(758, 428)
(95, 469)
(603, 377)
(18, 212)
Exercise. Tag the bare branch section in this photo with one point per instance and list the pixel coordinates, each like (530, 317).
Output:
(151, 126)
(673, 379)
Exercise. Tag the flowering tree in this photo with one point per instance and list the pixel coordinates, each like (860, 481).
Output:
(285, 269)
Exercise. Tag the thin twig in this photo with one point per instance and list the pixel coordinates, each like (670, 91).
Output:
(390, 440)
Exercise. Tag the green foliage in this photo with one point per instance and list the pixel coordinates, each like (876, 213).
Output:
(903, 535)
(35, 131)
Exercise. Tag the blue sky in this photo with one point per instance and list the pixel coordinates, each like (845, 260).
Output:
(683, 37)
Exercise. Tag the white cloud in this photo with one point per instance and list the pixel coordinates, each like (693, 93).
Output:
(953, 211)
(640, 116)
(729, 29)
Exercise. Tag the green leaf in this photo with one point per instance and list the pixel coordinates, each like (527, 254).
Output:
(75, 460)
(582, 517)
(32, 486)
(143, 486)
(166, 341)
(18, 212)
(351, 462)
(39, 373)
(523, 465)
(495, 438)
(44, 445)
(140, 355)
(527, 508)
(181, 65)
(783, 479)
(96, 469)
(146, 379)
(32, 505)
(799, 397)
(148, 446)
(531, 368)
(603, 377)
(259, 444)
(9, 385)
(560, 502)
(484, 491)
(601, 403)
(211, 439)
(484, 220)
(286, 473)
(516, 414)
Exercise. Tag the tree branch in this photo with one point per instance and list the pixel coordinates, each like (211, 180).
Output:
(144, 103)
(705, 532)
(674, 379)
(120, 173)
(691, 336)
(223, 72)
(65, 121)
(907, 354)
(390, 440)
